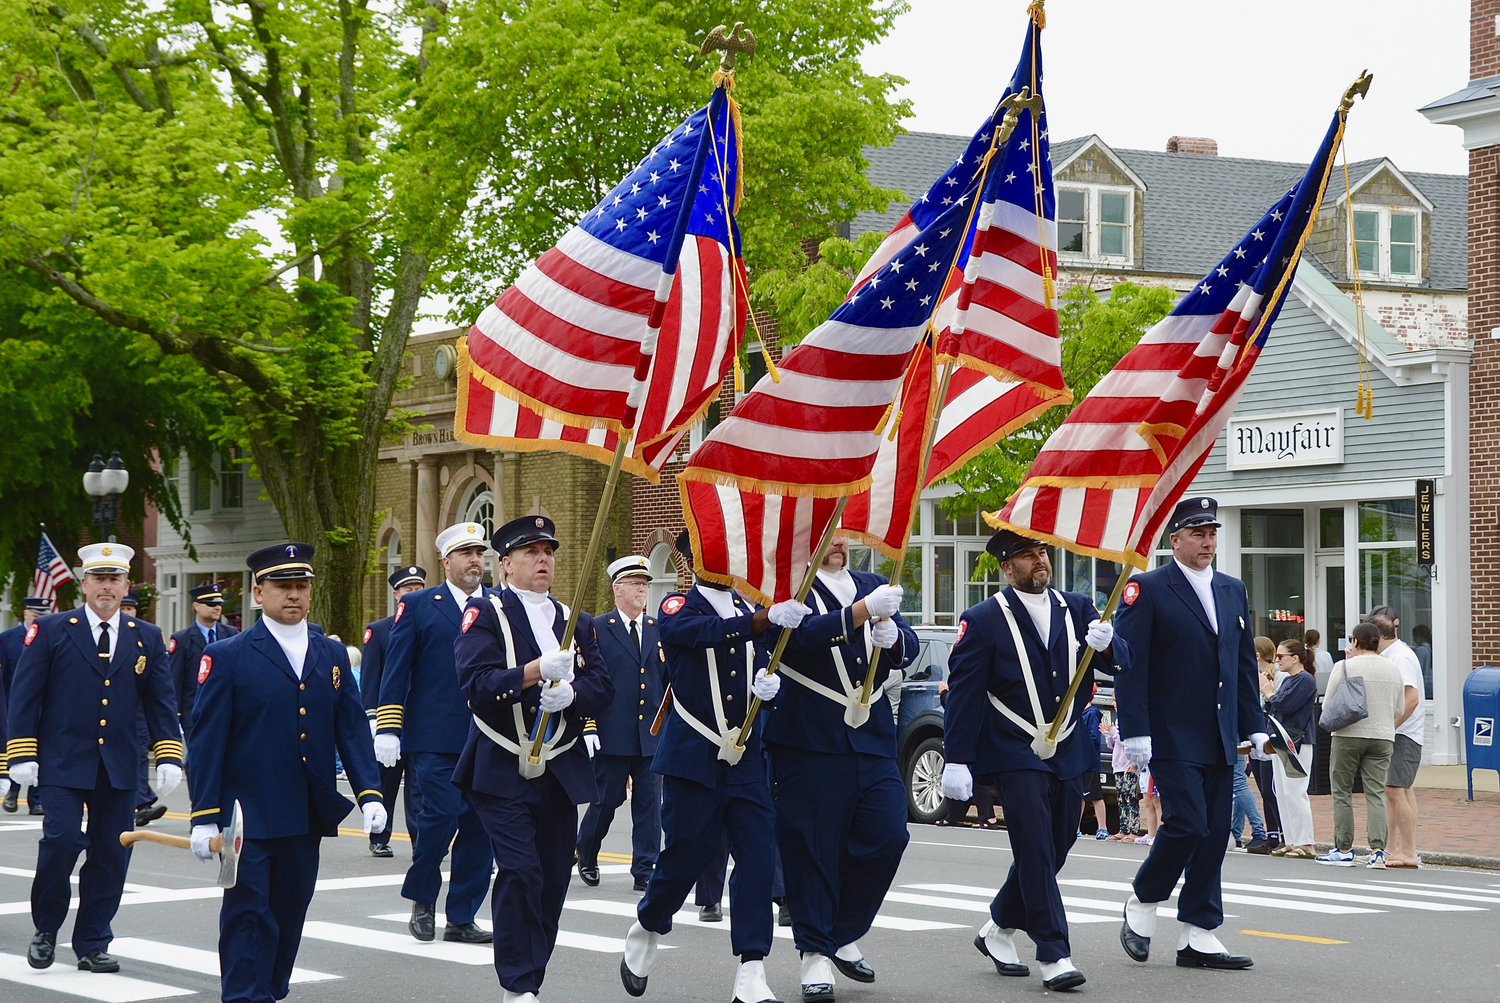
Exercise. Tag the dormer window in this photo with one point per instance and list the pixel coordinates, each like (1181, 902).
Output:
(1386, 244)
(1094, 223)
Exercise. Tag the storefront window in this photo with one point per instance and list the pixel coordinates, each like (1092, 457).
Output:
(945, 525)
(942, 584)
(1271, 528)
(1388, 571)
(911, 579)
(1273, 567)
(1089, 575)
(1331, 529)
(981, 585)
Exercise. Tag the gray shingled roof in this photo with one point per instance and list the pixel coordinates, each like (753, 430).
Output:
(1195, 206)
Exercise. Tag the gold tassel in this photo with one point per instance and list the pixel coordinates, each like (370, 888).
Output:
(770, 365)
(895, 425)
(1038, 15)
(1049, 289)
(739, 375)
(1369, 406)
(880, 425)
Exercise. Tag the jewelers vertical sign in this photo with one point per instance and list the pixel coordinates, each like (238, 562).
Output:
(1303, 439)
(1426, 541)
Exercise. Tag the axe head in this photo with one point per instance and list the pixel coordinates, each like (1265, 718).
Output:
(232, 841)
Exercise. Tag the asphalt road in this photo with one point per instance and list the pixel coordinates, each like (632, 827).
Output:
(1321, 932)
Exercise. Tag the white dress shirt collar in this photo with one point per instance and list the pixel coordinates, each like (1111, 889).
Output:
(293, 640)
(114, 626)
(1203, 584)
(721, 600)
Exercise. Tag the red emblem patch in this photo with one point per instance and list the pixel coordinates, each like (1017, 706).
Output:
(171, 645)
(672, 604)
(30, 634)
(470, 615)
(963, 626)
(368, 632)
(1132, 593)
(204, 665)
(400, 608)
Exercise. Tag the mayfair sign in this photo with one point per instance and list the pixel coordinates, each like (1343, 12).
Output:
(1303, 439)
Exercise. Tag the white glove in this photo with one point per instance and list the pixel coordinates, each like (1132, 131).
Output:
(24, 774)
(168, 777)
(558, 696)
(884, 601)
(373, 726)
(885, 633)
(375, 817)
(1100, 635)
(388, 749)
(591, 742)
(556, 665)
(765, 686)
(1257, 747)
(201, 835)
(1138, 751)
(4, 786)
(788, 614)
(958, 782)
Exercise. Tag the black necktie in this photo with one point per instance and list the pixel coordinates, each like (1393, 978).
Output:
(635, 639)
(104, 642)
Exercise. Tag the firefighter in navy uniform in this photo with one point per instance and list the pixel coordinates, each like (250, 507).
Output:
(186, 646)
(1008, 672)
(511, 668)
(1192, 693)
(620, 738)
(377, 640)
(274, 704)
(11, 643)
(715, 665)
(81, 677)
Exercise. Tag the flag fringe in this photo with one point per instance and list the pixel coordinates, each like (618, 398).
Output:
(873, 541)
(1023, 419)
(696, 539)
(1153, 433)
(1064, 396)
(467, 367)
(1113, 556)
(754, 485)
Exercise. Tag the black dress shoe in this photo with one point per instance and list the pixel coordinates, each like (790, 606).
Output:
(381, 850)
(11, 798)
(641, 883)
(822, 992)
(783, 915)
(467, 933)
(42, 950)
(856, 970)
(98, 962)
(1138, 947)
(423, 922)
(1065, 981)
(146, 814)
(34, 806)
(589, 873)
(1189, 958)
(711, 914)
(634, 984)
(1003, 967)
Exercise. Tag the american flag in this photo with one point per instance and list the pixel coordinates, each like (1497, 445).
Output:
(1107, 478)
(630, 321)
(760, 490)
(51, 571)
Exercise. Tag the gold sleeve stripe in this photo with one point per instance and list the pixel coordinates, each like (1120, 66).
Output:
(205, 811)
(21, 747)
(361, 794)
(590, 725)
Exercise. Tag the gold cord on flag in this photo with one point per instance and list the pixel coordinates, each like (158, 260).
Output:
(1037, 13)
(1049, 288)
(1364, 396)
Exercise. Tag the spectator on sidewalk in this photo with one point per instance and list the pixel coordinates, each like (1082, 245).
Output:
(1407, 754)
(1150, 808)
(1260, 769)
(1364, 746)
(1244, 808)
(1322, 660)
(1421, 638)
(1127, 785)
(1294, 704)
(1093, 790)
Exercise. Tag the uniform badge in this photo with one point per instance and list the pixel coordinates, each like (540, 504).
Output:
(204, 665)
(368, 632)
(30, 634)
(400, 608)
(140, 665)
(1131, 594)
(470, 615)
(336, 677)
(171, 645)
(1242, 622)
(672, 604)
(963, 627)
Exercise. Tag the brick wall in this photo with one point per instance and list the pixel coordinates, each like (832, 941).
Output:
(1484, 46)
(1484, 381)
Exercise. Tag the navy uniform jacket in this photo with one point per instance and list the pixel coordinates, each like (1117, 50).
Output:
(625, 728)
(10, 656)
(372, 662)
(1194, 692)
(266, 739)
(492, 683)
(419, 698)
(185, 649)
(69, 711)
(805, 719)
(690, 627)
(983, 662)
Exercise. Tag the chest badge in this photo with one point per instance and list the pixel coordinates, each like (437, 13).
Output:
(140, 665)
(337, 678)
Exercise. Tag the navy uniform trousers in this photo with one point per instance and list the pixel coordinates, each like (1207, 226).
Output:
(444, 817)
(411, 799)
(263, 915)
(1041, 818)
(101, 880)
(1196, 804)
(645, 811)
(144, 795)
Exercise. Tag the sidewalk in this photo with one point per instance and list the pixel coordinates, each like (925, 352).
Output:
(1451, 829)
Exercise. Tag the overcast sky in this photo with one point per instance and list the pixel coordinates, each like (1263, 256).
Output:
(1263, 79)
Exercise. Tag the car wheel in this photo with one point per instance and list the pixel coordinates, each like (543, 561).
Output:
(924, 782)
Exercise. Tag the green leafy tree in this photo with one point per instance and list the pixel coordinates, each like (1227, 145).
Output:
(801, 298)
(267, 189)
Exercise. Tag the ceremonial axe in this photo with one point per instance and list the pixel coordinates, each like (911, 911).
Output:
(226, 844)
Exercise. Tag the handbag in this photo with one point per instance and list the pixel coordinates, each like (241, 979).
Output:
(1348, 705)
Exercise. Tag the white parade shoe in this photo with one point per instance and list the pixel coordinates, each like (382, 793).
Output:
(640, 956)
(1061, 976)
(750, 984)
(817, 978)
(506, 996)
(999, 945)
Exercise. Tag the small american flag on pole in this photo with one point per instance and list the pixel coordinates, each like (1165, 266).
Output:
(51, 571)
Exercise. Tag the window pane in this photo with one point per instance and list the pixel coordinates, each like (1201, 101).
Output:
(942, 524)
(1112, 240)
(1070, 204)
(1403, 259)
(911, 584)
(1389, 576)
(1078, 570)
(1112, 208)
(1366, 256)
(1277, 605)
(1366, 226)
(1331, 529)
(1388, 521)
(1403, 228)
(203, 489)
(860, 558)
(942, 582)
(1070, 237)
(1105, 576)
(1271, 528)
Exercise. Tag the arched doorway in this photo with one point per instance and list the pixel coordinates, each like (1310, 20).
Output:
(663, 576)
(479, 506)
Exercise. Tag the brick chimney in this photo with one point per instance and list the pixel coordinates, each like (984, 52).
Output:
(1484, 39)
(1202, 146)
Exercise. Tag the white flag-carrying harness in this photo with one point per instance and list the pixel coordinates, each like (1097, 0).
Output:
(520, 747)
(1037, 727)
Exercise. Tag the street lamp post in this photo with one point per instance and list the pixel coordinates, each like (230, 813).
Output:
(105, 482)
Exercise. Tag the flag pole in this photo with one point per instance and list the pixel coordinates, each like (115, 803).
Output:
(786, 632)
(1088, 656)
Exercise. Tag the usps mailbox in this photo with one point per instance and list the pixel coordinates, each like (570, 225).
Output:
(1481, 709)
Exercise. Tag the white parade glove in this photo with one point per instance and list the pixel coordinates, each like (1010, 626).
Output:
(592, 743)
(374, 725)
(884, 601)
(558, 696)
(958, 782)
(1100, 635)
(24, 774)
(4, 786)
(788, 614)
(168, 777)
(885, 633)
(765, 686)
(201, 835)
(557, 665)
(1138, 751)
(388, 749)
(1257, 747)
(375, 817)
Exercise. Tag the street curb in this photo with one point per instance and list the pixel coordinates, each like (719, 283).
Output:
(1438, 859)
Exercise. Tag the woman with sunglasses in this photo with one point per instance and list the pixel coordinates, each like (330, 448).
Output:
(1293, 704)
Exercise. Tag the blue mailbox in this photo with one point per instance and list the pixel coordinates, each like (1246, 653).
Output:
(1481, 709)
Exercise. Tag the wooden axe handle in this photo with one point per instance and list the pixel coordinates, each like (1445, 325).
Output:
(181, 842)
(661, 714)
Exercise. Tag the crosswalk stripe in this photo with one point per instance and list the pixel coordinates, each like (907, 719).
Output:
(1113, 908)
(191, 959)
(965, 905)
(685, 917)
(581, 941)
(380, 940)
(1292, 904)
(67, 979)
(1357, 899)
(1401, 887)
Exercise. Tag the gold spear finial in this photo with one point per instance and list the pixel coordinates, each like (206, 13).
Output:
(732, 46)
(1360, 87)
